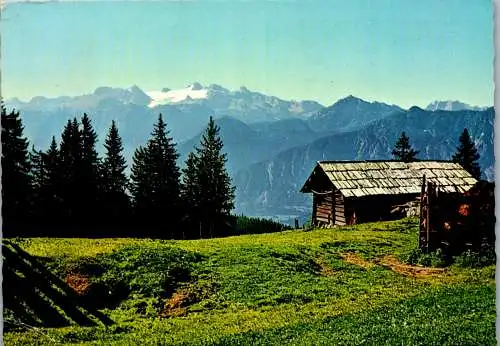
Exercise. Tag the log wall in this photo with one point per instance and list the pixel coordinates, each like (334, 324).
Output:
(329, 209)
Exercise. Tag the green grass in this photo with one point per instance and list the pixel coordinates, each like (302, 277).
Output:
(292, 287)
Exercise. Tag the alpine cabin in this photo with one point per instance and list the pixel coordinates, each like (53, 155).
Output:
(351, 192)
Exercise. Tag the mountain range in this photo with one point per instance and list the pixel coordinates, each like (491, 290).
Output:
(271, 144)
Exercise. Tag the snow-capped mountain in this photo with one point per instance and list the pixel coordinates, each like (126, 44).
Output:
(194, 91)
(243, 104)
(452, 106)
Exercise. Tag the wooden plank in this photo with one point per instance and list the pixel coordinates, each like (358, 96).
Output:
(340, 222)
(326, 220)
(325, 207)
(324, 216)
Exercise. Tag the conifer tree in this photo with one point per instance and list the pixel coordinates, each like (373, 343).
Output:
(47, 186)
(38, 178)
(37, 168)
(16, 180)
(467, 155)
(210, 185)
(140, 186)
(403, 151)
(70, 164)
(114, 185)
(88, 174)
(52, 189)
(191, 197)
(156, 182)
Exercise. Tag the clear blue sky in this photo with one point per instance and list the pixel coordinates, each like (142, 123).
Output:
(395, 51)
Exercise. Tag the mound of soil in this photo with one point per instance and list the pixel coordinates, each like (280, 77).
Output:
(78, 282)
(177, 305)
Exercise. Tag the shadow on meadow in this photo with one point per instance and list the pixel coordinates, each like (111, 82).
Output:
(33, 296)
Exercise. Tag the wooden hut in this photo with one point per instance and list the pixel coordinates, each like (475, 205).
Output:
(350, 192)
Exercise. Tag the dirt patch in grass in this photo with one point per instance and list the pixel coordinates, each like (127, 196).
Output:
(79, 283)
(177, 305)
(393, 263)
(324, 268)
(354, 258)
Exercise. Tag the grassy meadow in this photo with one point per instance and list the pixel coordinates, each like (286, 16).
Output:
(345, 286)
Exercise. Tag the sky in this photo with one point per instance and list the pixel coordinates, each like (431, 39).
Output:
(395, 51)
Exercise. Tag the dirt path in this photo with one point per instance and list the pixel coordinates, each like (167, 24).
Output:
(354, 258)
(392, 263)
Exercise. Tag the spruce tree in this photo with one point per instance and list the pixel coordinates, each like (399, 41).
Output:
(156, 182)
(88, 175)
(52, 188)
(115, 200)
(38, 179)
(16, 180)
(403, 151)
(191, 197)
(212, 186)
(46, 177)
(37, 168)
(467, 155)
(140, 186)
(70, 165)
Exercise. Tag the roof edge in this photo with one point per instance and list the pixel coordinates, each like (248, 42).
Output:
(363, 161)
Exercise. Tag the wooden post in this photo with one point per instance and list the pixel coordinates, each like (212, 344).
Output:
(428, 213)
(423, 225)
(332, 210)
(313, 216)
(296, 223)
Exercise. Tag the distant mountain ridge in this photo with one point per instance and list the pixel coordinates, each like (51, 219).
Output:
(452, 106)
(350, 113)
(271, 144)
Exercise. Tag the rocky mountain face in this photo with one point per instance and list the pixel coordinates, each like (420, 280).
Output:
(246, 144)
(452, 106)
(349, 114)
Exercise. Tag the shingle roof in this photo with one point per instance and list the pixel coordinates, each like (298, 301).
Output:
(364, 178)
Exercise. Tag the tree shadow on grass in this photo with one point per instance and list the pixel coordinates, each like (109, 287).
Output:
(36, 297)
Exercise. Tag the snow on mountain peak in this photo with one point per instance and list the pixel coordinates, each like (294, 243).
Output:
(196, 86)
(449, 105)
(194, 91)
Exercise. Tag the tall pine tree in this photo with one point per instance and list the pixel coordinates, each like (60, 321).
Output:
(88, 176)
(467, 155)
(70, 164)
(191, 198)
(16, 179)
(156, 183)
(38, 180)
(47, 194)
(403, 151)
(115, 201)
(207, 181)
(140, 186)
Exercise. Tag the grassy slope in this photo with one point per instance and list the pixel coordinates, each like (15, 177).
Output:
(291, 287)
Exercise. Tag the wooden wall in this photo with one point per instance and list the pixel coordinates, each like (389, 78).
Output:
(339, 209)
(323, 209)
(329, 209)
